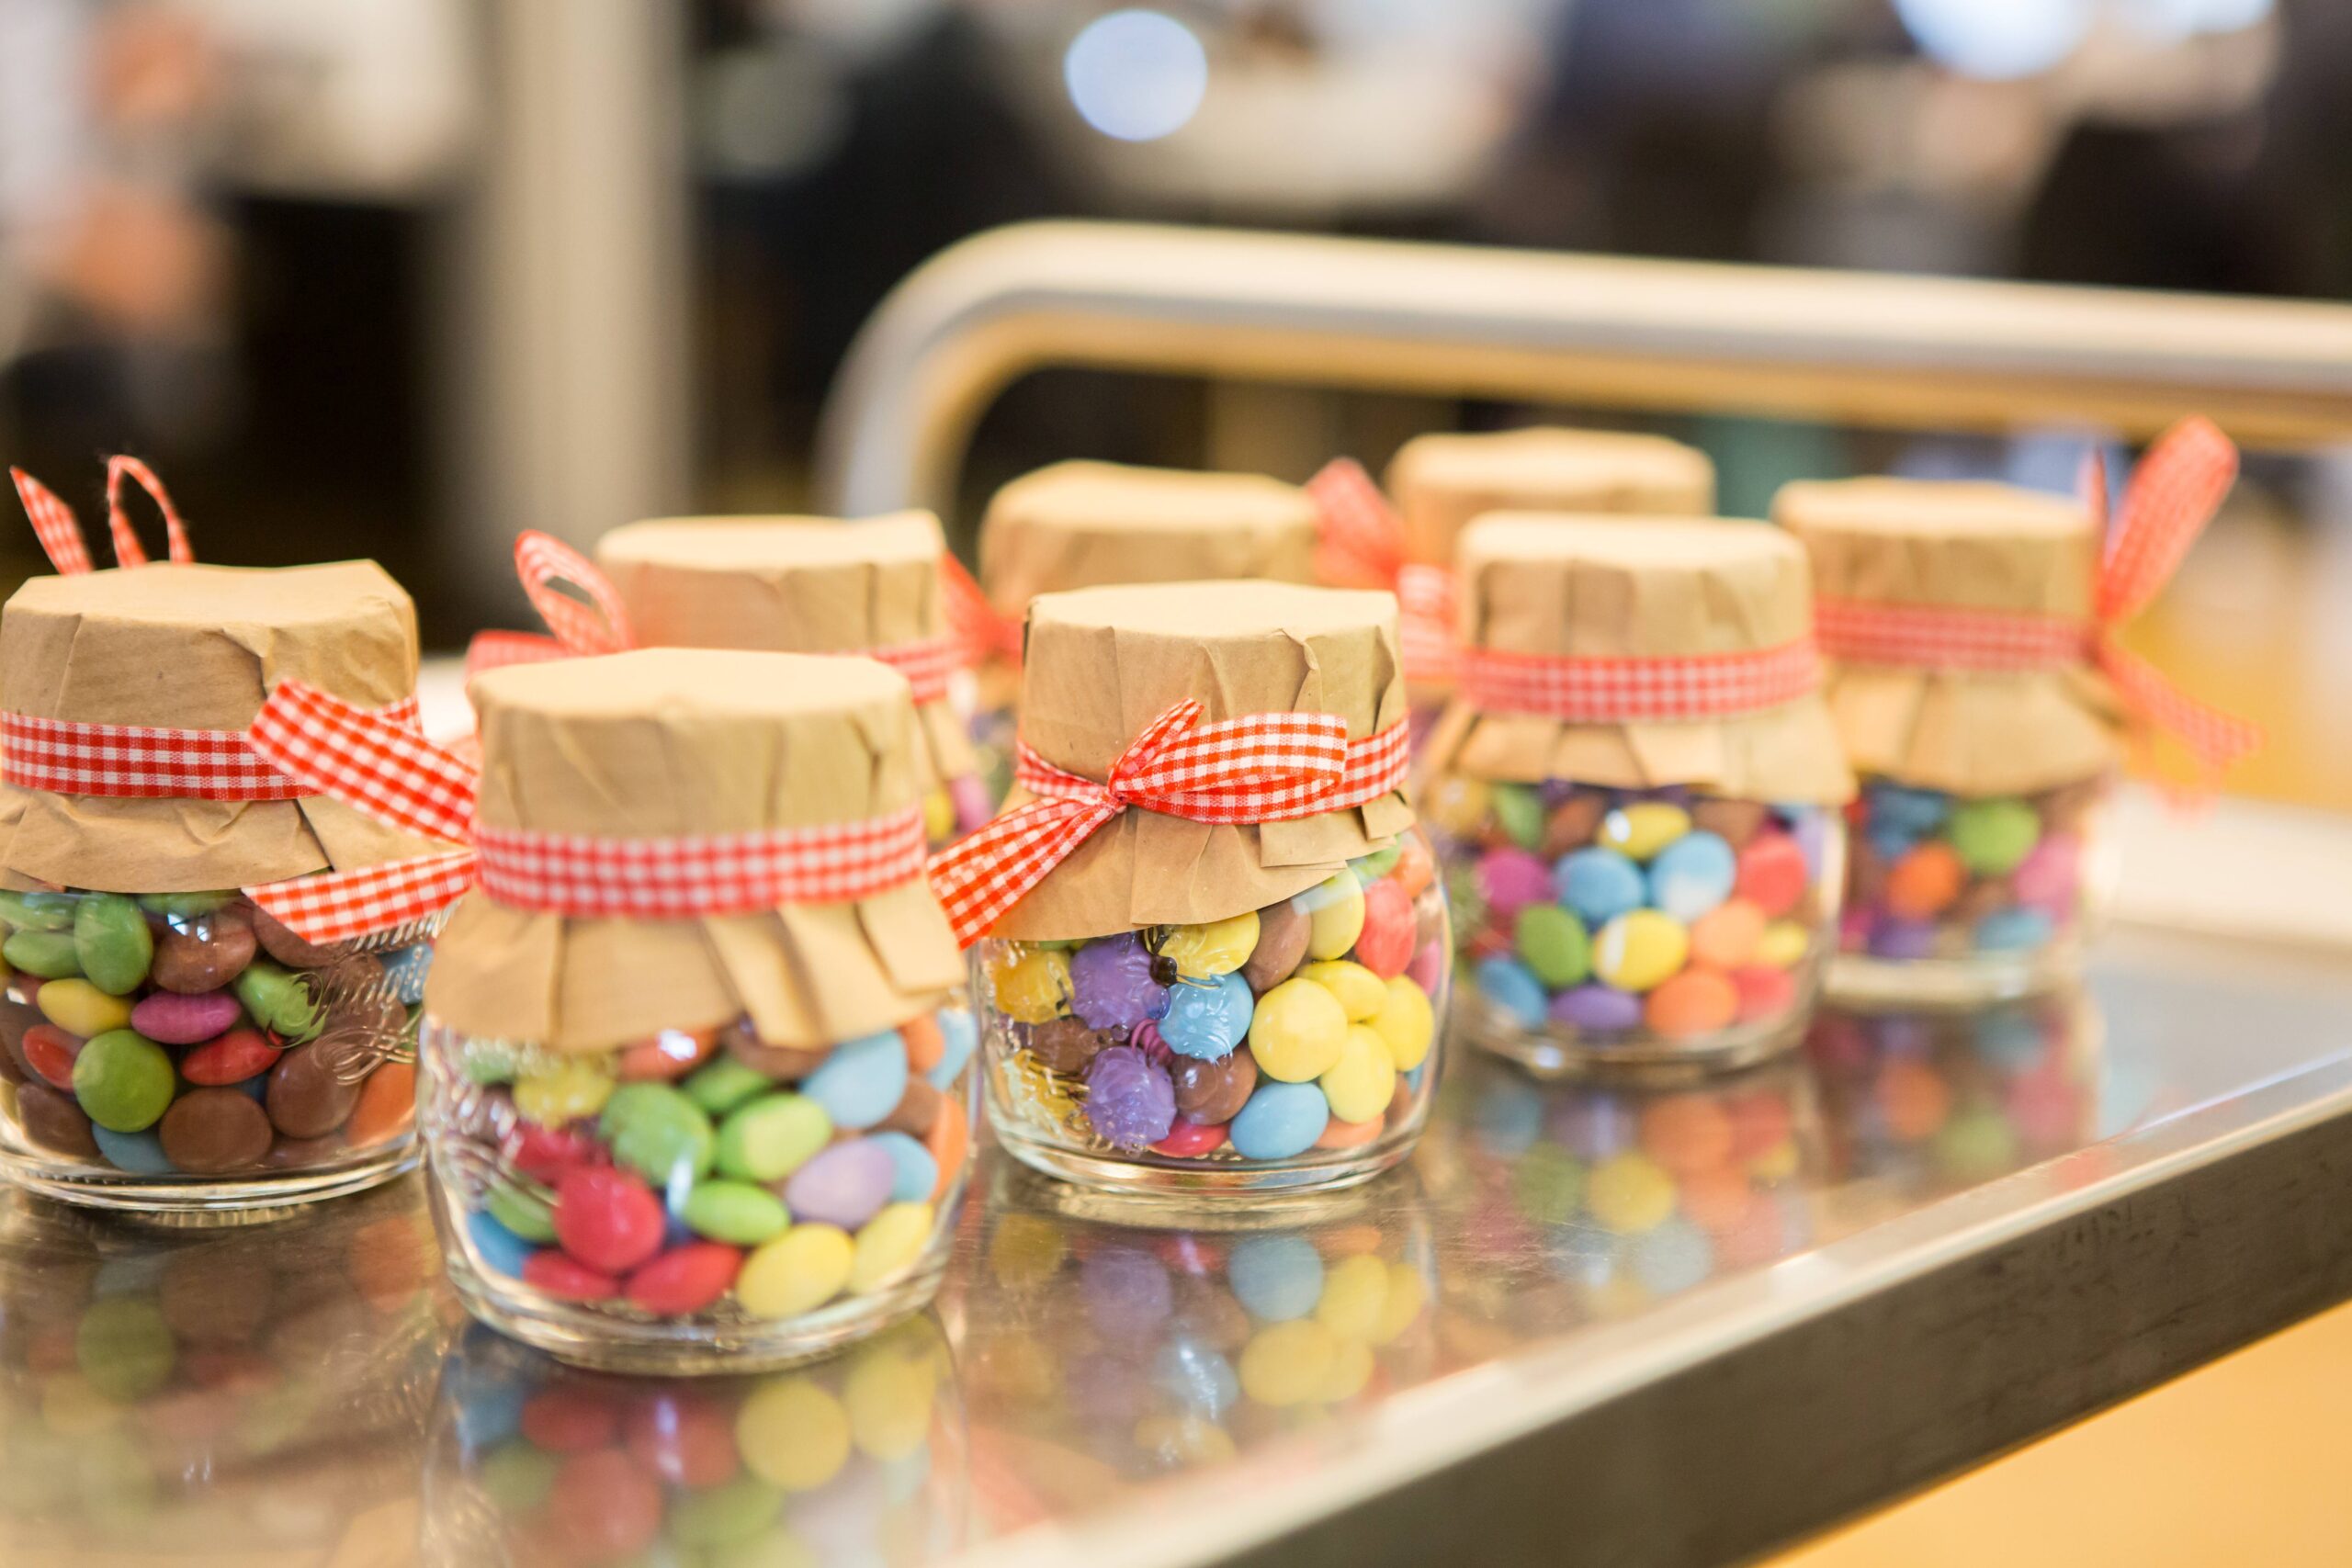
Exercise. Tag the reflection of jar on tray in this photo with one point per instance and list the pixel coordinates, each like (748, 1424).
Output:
(1636, 793)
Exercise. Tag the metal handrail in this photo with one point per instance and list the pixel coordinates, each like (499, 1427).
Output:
(1854, 348)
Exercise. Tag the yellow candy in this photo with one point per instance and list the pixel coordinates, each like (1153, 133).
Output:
(1407, 1022)
(1363, 1080)
(1204, 952)
(938, 816)
(798, 1271)
(1361, 992)
(1775, 1164)
(1297, 1031)
(1334, 914)
(1628, 1193)
(1288, 1363)
(1355, 1297)
(1350, 1370)
(566, 1091)
(79, 1008)
(889, 1245)
(1640, 948)
(1783, 944)
(1401, 1308)
(889, 1398)
(1184, 1439)
(1455, 804)
(793, 1434)
(1026, 1250)
(1643, 828)
(1034, 987)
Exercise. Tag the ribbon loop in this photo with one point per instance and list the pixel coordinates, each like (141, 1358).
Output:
(2177, 487)
(54, 525)
(128, 551)
(599, 625)
(495, 650)
(985, 634)
(1363, 545)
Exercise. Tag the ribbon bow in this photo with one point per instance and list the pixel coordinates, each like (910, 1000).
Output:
(985, 634)
(59, 532)
(1270, 767)
(1363, 545)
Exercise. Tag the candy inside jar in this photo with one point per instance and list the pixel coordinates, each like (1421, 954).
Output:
(188, 1048)
(1285, 1045)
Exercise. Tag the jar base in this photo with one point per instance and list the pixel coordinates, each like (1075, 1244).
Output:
(1859, 980)
(1144, 1182)
(1546, 1055)
(226, 1201)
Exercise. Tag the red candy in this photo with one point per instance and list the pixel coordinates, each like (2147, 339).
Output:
(235, 1057)
(544, 1154)
(571, 1421)
(607, 1219)
(1764, 992)
(1385, 944)
(603, 1508)
(559, 1277)
(683, 1280)
(1189, 1140)
(50, 1052)
(685, 1440)
(1772, 873)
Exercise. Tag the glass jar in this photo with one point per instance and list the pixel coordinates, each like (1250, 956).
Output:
(186, 1051)
(1955, 900)
(700, 1201)
(858, 1458)
(1661, 928)
(1294, 1046)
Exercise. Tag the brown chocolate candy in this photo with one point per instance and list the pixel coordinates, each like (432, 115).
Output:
(278, 941)
(209, 1131)
(302, 1154)
(213, 1294)
(205, 953)
(1982, 896)
(1574, 823)
(14, 1018)
(784, 1062)
(1281, 946)
(54, 1122)
(1734, 821)
(916, 1111)
(1213, 1093)
(1066, 1045)
(308, 1098)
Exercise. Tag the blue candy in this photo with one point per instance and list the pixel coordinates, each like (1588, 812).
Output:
(2010, 1038)
(404, 971)
(1281, 1119)
(2013, 930)
(1512, 987)
(1693, 875)
(1206, 1019)
(502, 1251)
(959, 1035)
(1598, 884)
(1510, 1118)
(1277, 1278)
(862, 1081)
(918, 1168)
(1915, 813)
(140, 1153)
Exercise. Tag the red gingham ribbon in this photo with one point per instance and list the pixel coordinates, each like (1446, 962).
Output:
(404, 780)
(2172, 494)
(1625, 690)
(985, 634)
(1363, 545)
(137, 761)
(1266, 767)
(59, 532)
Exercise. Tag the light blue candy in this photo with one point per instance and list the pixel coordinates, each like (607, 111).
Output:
(2013, 930)
(502, 1251)
(862, 1081)
(1277, 1278)
(918, 1168)
(1599, 884)
(1693, 875)
(1512, 987)
(1207, 1019)
(1510, 1118)
(2010, 1038)
(404, 971)
(1915, 813)
(1196, 1376)
(959, 1035)
(1890, 843)
(1281, 1119)
(1672, 1257)
(476, 1382)
(142, 1153)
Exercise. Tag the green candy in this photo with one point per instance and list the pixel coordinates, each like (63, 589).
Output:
(185, 906)
(1371, 868)
(112, 938)
(1992, 837)
(657, 1132)
(1549, 1183)
(1519, 812)
(527, 1215)
(730, 1514)
(123, 1081)
(517, 1477)
(724, 1084)
(1977, 1144)
(124, 1347)
(1553, 942)
(37, 911)
(736, 1213)
(49, 955)
(280, 1002)
(772, 1137)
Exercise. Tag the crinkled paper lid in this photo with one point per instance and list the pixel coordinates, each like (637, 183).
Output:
(793, 585)
(1103, 663)
(182, 647)
(1595, 587)
(1966, 545)
(1080, 525)
(671, 742)
(1441, 482)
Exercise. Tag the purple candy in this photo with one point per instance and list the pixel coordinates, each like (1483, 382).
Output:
(1602, 1009)
(169, 1018)
(1111, 984)
(1509, 880)
(845, 1185)
(1904, 939)
(1128, 1293)
(1131, 1102)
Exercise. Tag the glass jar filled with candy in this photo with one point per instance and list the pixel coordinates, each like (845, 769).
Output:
(1637, 793)
(180, 1030)
(1979, 691)
(697, 1070)
(1215, 951)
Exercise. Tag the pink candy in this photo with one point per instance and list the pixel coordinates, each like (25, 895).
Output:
(2050, 875)
(1509, 880)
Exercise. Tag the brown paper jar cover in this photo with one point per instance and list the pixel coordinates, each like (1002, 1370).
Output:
(1960, 544)
(1104, 662)
(793, 585)
(184, 646)
(1440, 482)
(1603, 587)
(670, 742)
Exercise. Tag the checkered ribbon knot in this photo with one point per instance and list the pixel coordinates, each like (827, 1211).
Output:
(1269, 767)
(1594, 690)
(60, 531)
(2172, 494)
(129, 762)
(984, 634)
(594, 621)
(1363, 545)
(406, 782)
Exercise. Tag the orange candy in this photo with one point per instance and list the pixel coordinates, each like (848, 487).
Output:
(947, 1140)
(1414, 868)
(1686, 1133)
(387, 1104)
(925, 1044)
(1725, 936)
(1925, 881)
(1717, 1200)
(1913, 1099)
(1338, 1135)
(1760, 1121)
(1695, 1002)
(668, 1056)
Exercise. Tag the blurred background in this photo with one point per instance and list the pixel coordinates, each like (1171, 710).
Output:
(397, 277)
